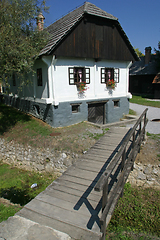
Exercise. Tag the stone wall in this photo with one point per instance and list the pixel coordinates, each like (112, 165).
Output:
(36, 159)
(145, 175)
(47, 160)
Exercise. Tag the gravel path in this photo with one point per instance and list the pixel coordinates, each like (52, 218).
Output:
(153, 113)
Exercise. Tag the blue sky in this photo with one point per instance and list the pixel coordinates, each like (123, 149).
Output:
(140, 19)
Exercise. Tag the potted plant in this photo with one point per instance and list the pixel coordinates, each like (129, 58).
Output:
(81, 87)
(111, 84)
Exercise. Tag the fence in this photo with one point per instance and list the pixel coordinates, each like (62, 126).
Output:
(111, 183)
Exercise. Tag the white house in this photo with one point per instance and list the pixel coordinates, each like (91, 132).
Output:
(88, 45)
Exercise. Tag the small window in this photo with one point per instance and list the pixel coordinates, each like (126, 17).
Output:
(79, 74)
(36, 109)
(39, 77)
(75, 108)
(108, 74)
(14, 79)
(116, 103)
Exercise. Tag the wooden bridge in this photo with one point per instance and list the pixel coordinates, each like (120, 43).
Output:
(81, 201)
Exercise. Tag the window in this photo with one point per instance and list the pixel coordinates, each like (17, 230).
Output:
(75, 108)
(36, 109)
(109, 74)
(39, 77)
(79, 74)
(116, 103)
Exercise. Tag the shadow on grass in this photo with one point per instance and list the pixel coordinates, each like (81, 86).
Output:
(16, 195)
(149, 96)
(9, 117)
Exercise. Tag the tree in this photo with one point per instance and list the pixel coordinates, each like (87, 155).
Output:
(139, 53)
(158, 56)
(20, 40)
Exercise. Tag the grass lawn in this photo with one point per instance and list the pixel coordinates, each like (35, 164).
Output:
(142, 100)
(15, 185)
(138, 211)
(7, 211)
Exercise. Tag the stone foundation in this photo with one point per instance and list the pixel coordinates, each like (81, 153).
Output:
(65, 114)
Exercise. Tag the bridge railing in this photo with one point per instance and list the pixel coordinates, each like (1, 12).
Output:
(112, 181)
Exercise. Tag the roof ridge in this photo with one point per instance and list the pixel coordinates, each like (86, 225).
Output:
(92, 9)
(85, 6)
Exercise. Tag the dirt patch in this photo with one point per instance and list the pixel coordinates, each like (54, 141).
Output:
(150, 151)
(7, 203)
(76, 138)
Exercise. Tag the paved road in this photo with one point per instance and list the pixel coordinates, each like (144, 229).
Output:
(153, 113)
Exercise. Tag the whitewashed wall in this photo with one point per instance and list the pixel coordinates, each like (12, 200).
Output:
(96, 90)
(61, 89)
(41, 91)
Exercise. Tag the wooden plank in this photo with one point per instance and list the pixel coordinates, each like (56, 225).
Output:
(100, 154)
(90, 166)
(78, 180)
(93, 166)
(77, 186)
(83, 174)
(103, 144)
(76, 192)
(95, 157)
(61, 214)
(62, 203)
(72, 198)
(104, 147)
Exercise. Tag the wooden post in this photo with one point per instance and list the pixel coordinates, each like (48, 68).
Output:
(144, 127)
(122, 167)
(104, 202)
(123, 159)
(140, 126)
(133, 145)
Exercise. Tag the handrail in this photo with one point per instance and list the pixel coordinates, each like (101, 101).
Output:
(128, 154)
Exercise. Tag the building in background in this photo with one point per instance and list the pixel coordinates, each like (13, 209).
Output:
(142, 74)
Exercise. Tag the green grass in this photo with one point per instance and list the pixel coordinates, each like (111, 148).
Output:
(15, 184)
(35, 129)
(132, 112)
(9, 117)
(142, 100)
(137, 211)
(158, 155)
(7, 211)
(97, 136)
(153, 136)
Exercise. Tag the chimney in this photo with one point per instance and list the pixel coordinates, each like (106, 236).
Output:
(40, 21)
(147, 55)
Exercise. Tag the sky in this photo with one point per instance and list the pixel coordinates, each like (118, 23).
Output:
(140, 19)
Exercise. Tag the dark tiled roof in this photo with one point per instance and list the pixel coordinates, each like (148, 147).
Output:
(60, 28)
(139, 67)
